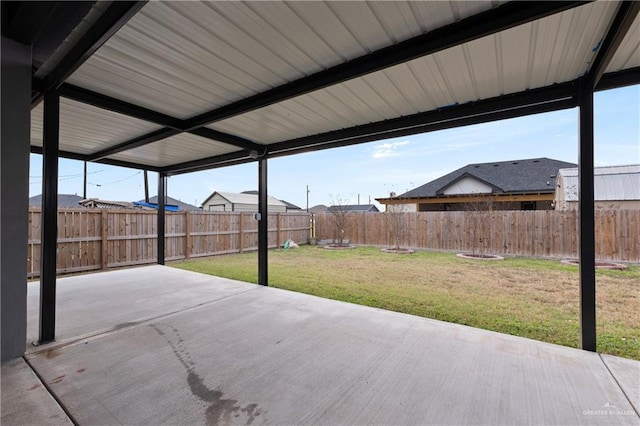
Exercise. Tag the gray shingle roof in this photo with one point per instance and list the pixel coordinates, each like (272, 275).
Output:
(355, 208)
(64, 201)
(516, 176)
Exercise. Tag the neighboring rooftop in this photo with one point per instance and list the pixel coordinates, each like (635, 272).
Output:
(534, 175)
(367, 208)
(290, 206)
(320, 208)
(173, 202)
(611, 183)
(64, 201)
(243, 198)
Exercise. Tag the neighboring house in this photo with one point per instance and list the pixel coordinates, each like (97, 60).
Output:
(320, 208)
(175, 205)
(354, 208)
(65, 201)
(513, 185)
(290, 206)
(95, 203)
(232, 202)
(615, 187)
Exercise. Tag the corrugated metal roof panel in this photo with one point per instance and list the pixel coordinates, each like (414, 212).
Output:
(173, 150)
(183, 58)
(525, 57)
(86, 129)
(613, 183)
(628, 54)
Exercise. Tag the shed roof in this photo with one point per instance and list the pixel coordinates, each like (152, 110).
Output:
(534, 175)
(183, 86)
(611, 183)
(290, 206)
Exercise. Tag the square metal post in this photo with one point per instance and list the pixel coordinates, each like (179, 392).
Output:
(50, 151)
(162, 193)
(263, 224)
(586, 214)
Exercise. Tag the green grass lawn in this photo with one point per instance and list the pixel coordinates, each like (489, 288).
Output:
(533, 298)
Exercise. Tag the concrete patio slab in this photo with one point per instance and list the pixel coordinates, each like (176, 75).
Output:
(234, 353)
(25, 401)
(627, 374)
(104, 301)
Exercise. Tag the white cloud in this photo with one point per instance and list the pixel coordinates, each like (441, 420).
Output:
(385, 150)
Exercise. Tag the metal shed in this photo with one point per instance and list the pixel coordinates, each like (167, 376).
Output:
(615, 187)
(175, 87)
(231, 202)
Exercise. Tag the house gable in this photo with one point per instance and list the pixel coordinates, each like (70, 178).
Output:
(467, 184)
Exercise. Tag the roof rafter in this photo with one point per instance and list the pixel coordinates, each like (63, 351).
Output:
(622, 22)
(156, 135)
(224, 160)
(99, 100)
(82, 157)
(615, 80)
(114, 17)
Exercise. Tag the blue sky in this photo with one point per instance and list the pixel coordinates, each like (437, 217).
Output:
(374, 169)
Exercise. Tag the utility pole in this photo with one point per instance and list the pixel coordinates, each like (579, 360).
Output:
(84, 190)
(308, 198)
(146, 187)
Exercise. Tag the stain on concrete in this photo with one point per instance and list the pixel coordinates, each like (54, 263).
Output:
(221, 411)
(52, 353)
(59, 379)
(34, 387)
(81, 370)
(124, 325)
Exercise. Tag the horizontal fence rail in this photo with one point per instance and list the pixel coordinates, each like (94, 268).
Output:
(542, 233)
(101, 239)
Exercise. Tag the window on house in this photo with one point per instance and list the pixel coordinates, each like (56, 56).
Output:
(528, 205)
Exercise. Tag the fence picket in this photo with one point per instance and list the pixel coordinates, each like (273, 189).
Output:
(101, 239)
(543, 233)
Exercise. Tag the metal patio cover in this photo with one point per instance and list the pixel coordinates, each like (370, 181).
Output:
(177, 87)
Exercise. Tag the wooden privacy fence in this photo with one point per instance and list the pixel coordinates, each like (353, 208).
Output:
(101, 239)
(542, 233)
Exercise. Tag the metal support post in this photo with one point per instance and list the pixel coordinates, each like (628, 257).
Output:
(50, 148)
(162, 194)
(586, 214)
(263, 225)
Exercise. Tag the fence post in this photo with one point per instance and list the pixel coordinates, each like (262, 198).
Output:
(105, 236)
(241, 233)
(187, 234)
(278, 230)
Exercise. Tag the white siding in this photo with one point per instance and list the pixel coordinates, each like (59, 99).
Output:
(230, 202)
(468, 185)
